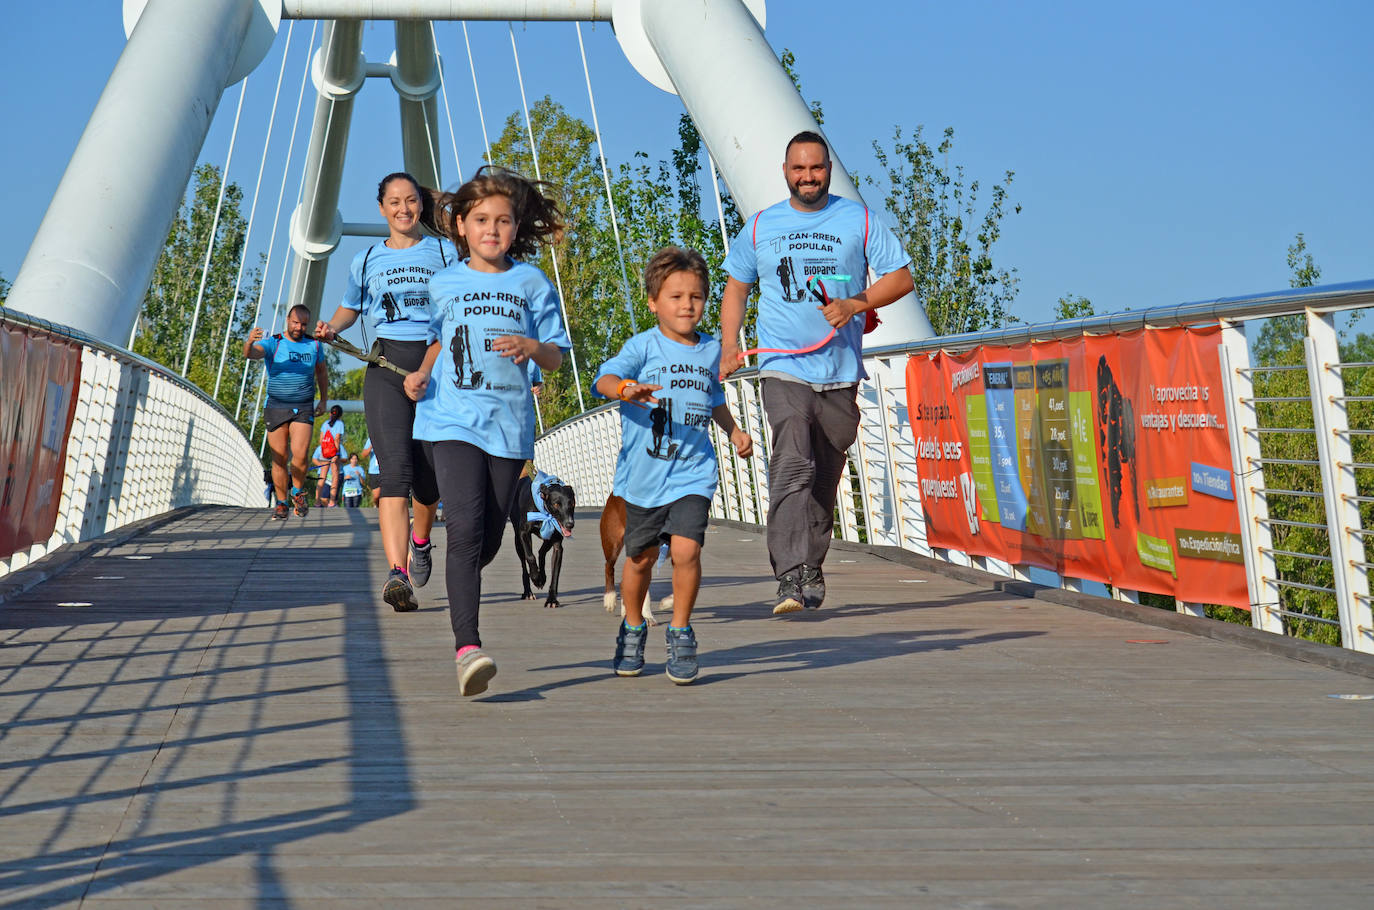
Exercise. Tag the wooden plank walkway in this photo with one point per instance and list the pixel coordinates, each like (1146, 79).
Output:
(236, 721)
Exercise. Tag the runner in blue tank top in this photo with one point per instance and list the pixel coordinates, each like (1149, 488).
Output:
(388, 286)
(295, 365)
(493, 317)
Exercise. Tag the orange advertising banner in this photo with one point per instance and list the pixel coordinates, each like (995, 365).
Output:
(40, 375)
(1104, 458)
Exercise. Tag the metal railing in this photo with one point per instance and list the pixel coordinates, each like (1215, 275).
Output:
(1306, 567)
(143, 441)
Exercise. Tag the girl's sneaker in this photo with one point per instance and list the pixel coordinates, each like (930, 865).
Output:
(682, 655)
(629, 650)
(398, 592)
(475, 670)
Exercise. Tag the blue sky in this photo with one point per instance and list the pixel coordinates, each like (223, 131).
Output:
(1163, 152)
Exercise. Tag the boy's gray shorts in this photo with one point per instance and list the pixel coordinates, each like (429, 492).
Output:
(685, 517)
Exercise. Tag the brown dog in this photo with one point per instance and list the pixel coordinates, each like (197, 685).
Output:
(612, 542)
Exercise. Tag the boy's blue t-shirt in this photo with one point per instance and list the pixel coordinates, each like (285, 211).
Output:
(352, 480)
(666, 451)
(780, 249)
(291, 368)
(393, 295)
(475, 395)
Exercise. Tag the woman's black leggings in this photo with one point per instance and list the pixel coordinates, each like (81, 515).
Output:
(477, 490)
(390, 422)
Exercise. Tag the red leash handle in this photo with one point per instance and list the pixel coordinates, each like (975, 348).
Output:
(824, 298)
(806, 350)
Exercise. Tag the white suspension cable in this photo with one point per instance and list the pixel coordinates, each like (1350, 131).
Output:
(480, 117)
(276, 311)
(252, 213)
(214, 228)
(553, 256)
(300, 195)
(448, 114)
(276, 216)
(606, 176)
(720, 209)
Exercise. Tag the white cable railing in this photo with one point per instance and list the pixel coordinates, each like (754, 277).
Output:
(880, 503)
(142, 442)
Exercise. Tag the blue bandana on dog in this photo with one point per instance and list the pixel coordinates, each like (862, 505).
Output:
(548, 525)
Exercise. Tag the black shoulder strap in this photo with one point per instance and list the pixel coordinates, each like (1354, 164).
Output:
(442, 256)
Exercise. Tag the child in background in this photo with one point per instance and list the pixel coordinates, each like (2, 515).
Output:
(666, 472)
(493, 316)
(353, 482)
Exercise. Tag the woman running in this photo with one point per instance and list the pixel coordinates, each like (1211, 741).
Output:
(388, 284)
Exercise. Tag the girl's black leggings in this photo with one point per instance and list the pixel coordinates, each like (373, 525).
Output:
(476, 490)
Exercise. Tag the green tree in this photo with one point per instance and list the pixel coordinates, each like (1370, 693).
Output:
(1071, 306)
(950, 241)
(164, 322)
(4, 290)
(1292, 455)
(789, 65)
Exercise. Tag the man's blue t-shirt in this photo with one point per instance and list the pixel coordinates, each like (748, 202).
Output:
(665, 450)
(291, 368)
(780, 248)
(475, 395)
(393, 295)
(352, 480)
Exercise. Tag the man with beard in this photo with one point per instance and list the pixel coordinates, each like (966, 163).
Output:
(810, 397)
(295, 365)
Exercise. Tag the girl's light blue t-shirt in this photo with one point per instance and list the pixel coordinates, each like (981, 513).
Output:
(784, 247)
(391, 287)
(352, 480)
(665, 450)
(475, 395)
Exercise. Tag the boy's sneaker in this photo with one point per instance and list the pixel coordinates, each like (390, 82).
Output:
(279, 512)
(398, 592)
(301, 505)
(421, 563)
(789, 599)
(682, 655)
(812, 584)
(629, 650)
(475, 670)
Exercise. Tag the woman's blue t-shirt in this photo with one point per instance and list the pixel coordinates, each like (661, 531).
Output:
(665, 450)
(290, 368)
(475, 395)
(391, 287)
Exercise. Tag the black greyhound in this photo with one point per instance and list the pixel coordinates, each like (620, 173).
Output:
(557, 501)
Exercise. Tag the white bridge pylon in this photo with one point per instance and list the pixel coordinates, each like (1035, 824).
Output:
(93, 255)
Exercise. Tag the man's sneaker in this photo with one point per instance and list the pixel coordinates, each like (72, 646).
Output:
(682, 655)
(629, 650)
(280, 512)
(475, 670)
(812, 584)
(420, 563)
(789, 598)
(301, 505)
(398, 592)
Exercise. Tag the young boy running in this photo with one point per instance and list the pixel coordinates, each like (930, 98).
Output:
(667, 472)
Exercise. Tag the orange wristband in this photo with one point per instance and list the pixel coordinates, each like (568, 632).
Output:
(624, 384)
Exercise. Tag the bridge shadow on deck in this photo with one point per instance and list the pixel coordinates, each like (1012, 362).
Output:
(141, 730)
(236, 720)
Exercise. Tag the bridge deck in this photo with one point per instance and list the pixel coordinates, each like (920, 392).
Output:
(235, 721)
